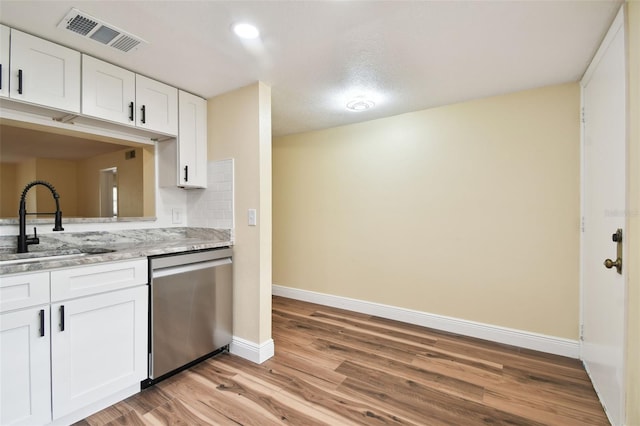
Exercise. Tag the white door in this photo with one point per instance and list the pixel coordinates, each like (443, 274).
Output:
(25, 391)
(604, 207)
(109, 192)
(98, 347)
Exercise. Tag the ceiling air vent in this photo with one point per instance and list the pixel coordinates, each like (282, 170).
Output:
(97, 30)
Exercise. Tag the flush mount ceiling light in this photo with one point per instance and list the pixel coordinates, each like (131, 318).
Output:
(246, 31)
(360, 104)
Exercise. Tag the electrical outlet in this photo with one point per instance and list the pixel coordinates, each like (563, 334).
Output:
(177, 215)
(252, 215)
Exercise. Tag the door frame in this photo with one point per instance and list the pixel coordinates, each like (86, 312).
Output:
(106, 191)
(618, 24)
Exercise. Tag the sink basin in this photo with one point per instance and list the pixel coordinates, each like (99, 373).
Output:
(41, 256)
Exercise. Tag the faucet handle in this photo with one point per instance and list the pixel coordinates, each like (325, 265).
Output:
(34, 239)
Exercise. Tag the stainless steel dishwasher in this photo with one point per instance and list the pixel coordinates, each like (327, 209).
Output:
(191, 316)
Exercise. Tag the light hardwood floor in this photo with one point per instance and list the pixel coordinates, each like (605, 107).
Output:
(335, 367)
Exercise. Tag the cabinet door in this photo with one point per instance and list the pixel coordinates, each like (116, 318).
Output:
(192, 141)
(25, 386)
(157, 106)
(108, 91)
(4, 60)
(98, 347)
(44, 73)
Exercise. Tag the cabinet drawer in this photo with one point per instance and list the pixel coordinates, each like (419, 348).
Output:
(93, 279)
(21, 291)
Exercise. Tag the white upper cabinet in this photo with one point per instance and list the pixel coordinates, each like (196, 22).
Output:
(4, 60)
(108, 91)
(156, 105)
(116, 94)
(44, 73)
(192, 141)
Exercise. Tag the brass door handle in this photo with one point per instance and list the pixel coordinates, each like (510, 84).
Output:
(608, 263)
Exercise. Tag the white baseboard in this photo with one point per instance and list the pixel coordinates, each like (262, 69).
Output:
(524, 339)
(254, 352)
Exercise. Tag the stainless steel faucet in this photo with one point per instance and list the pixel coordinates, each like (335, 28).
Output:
(23, 240)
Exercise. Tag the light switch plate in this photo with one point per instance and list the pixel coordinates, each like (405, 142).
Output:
(252, 216)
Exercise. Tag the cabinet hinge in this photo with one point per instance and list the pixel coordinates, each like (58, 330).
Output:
(582, 114)
(582, 224)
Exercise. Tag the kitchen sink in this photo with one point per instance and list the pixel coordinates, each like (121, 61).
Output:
(41, 256)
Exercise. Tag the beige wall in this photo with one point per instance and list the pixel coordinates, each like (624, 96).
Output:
(239, 127)
(149, 181)
(633, 225)
(9, 192)
(62, 174)
(469, 210)
(25, 173)
(77, 182)
(131, 186)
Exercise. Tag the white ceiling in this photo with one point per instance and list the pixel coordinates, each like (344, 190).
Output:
(408, 55)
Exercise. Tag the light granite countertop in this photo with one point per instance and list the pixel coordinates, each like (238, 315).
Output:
(49, 220)
(127, 244)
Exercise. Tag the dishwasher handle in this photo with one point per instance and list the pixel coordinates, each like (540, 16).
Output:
(180, 259)
(174, 270)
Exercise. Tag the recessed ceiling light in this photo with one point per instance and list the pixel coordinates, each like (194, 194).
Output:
(246, 31)
(360, 104)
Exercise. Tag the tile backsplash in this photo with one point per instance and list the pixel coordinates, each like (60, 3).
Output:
(213, 207)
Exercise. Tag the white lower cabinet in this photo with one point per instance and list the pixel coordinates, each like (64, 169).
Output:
(77, 352)
(25, 375)
(98, 347)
